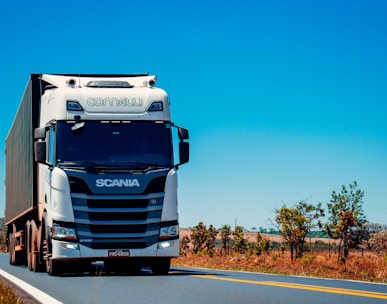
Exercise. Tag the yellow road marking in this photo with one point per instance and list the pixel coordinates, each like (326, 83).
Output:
(352, 292)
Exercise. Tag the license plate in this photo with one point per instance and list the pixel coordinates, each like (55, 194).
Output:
(123, 253)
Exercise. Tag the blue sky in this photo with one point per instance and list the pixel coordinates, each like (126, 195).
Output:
(284, 100)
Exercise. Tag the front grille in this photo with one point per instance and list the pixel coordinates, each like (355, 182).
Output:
(120, 245)
(123, 216)
(119, 229)
(98, 202)
(118, 236)
(117, 222)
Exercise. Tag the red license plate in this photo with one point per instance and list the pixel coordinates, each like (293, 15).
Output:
(120, 253)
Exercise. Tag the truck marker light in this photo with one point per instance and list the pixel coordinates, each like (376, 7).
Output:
(109, 84)
(73, 105)
(149, 83)
(156, 106)
(71, 83)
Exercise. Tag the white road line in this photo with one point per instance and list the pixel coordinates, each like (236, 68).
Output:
(36, 293)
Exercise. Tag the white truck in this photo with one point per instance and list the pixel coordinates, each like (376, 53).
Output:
(91, 174)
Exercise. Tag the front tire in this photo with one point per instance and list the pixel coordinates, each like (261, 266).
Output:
(28, 245)
(161, 266)
(35, 250)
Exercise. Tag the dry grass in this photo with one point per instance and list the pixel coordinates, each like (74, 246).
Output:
(7, 296)
(370, 267)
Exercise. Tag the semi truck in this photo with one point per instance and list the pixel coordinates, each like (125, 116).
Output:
(91, 174)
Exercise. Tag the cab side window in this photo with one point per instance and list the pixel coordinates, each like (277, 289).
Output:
(51, 151)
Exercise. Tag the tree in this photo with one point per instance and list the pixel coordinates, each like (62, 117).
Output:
(198, 237)
(225, 239)
(311, 214)
(347, 221)
(184, 245)
(378, 241)
(293, 228)
(203, 239)
(212, 232)
(262, 244)
(240, 243)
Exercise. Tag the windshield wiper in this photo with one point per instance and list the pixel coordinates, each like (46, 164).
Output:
(145, 166)
(117, 165)
(81, 163)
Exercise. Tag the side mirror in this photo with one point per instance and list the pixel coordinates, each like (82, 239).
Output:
(183, 133)
(40, 133)
(183, 146)
(183, 152)
(40, 152)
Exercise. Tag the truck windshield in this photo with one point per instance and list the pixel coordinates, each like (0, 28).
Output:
(138, 144)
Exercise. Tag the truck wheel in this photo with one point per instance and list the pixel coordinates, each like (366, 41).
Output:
(46, 256)
(28, 245)
(46, 246)
(40, 262)
(15, 257)
(34, 247)
(161, 266)
(11, 249)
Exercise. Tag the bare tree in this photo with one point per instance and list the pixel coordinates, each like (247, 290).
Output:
(312, 215)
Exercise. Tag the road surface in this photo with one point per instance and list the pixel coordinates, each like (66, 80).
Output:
(192, 286)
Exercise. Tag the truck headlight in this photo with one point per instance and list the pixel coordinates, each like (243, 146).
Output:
(64, 233)
(169, 232)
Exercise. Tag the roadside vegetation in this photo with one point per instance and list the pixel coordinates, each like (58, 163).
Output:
(3, 234)
(7, 296)
(298, 251)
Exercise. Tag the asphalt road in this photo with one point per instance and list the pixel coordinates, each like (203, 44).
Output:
(189, 286)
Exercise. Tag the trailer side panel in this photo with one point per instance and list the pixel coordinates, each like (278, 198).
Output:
(20, 167)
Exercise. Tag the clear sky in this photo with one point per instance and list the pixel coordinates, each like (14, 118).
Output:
(284, 100)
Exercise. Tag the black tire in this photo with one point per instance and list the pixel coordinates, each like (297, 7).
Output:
(36, 248)
(16, 258)
(161, 266)
(28, 245)
(11, 249)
